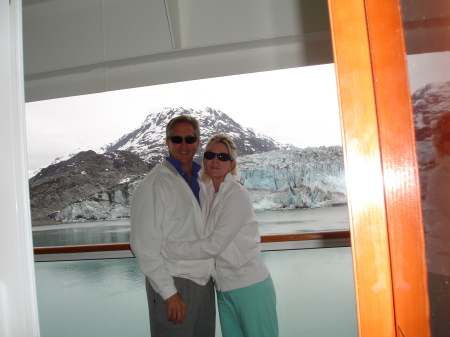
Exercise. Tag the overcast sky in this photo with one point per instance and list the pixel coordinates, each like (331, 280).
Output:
(297, 106)
(428, 68)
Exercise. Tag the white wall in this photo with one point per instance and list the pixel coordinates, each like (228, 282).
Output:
(18, 307)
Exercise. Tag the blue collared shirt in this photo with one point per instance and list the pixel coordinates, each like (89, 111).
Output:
(193, 184)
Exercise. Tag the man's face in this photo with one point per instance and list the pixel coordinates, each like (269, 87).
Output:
(183, 151)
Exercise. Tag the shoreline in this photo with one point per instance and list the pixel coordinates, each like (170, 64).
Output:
(80, 222)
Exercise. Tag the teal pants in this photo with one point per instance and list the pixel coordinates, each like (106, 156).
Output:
(249, 311)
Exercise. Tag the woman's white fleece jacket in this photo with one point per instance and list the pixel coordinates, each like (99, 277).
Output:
(231, 237)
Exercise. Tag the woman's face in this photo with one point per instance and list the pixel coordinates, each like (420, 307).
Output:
(215, 168)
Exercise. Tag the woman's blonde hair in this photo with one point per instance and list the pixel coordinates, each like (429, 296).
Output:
(221, 138)
(439, 130)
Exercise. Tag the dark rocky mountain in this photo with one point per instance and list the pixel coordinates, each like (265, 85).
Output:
(84, 176)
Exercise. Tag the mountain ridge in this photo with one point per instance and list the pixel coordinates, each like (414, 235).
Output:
(148, 140)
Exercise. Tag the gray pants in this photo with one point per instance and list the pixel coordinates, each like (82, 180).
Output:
(200, 320)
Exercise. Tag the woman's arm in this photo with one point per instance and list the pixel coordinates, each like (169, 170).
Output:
(236, 211)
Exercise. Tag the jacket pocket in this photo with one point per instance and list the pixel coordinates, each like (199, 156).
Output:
(193, 268)
(236, 257)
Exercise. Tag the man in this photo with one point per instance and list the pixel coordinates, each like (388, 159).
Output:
(165, 206)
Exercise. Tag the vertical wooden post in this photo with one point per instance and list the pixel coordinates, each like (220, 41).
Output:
(381, 168)
(364, 174)
(400, 167)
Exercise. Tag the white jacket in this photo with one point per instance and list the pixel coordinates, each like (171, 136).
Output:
(164, 207)
(231, 236)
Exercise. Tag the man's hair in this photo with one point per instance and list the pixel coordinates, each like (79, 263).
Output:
(221, 138)
(184, 119)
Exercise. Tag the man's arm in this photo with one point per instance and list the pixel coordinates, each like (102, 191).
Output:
(147, 214)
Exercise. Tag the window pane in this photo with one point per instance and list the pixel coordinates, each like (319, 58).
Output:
(88, 153)
(426, 26)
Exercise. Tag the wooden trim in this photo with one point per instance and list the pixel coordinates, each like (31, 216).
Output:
(364, 174)
(126, 246)
(379, 149)
(307, 236)
(400, 168)
(81, 249)
(426, 23)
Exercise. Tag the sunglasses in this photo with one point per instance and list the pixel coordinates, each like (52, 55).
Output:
(179, 139)
(221, 156)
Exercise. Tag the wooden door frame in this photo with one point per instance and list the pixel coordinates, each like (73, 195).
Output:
(381, 168)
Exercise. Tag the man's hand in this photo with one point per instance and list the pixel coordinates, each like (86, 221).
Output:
(176, 309)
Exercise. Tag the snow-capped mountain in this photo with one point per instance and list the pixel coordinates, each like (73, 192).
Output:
(94, 185)
(148, 140)
(429, 103)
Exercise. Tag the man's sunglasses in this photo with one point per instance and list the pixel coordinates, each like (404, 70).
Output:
(179, 139)
(221, 156)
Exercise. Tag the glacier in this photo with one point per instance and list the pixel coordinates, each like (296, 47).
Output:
(276, 180)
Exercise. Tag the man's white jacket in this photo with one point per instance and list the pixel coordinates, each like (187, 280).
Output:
(163, 207)
(231, 236)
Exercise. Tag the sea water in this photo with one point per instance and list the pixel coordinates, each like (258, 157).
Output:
(315, 293)
(118, 231)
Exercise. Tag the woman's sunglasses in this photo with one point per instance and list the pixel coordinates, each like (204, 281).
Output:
(179, 139)
(221, 156)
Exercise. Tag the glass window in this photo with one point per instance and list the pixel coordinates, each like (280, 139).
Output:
(426, 27)
(88, 153)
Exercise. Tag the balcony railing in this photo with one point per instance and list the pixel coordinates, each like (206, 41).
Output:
(123, 250)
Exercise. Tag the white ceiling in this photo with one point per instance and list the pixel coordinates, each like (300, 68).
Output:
(74, 47)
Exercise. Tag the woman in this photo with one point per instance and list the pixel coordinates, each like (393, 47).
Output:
(245, 292)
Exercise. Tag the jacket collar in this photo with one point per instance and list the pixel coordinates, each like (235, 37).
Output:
(175, 166)
(169, 166)
(229, 179)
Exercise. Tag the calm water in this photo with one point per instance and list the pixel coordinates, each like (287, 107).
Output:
(106, 298)
(315, 294)
(118, 231)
